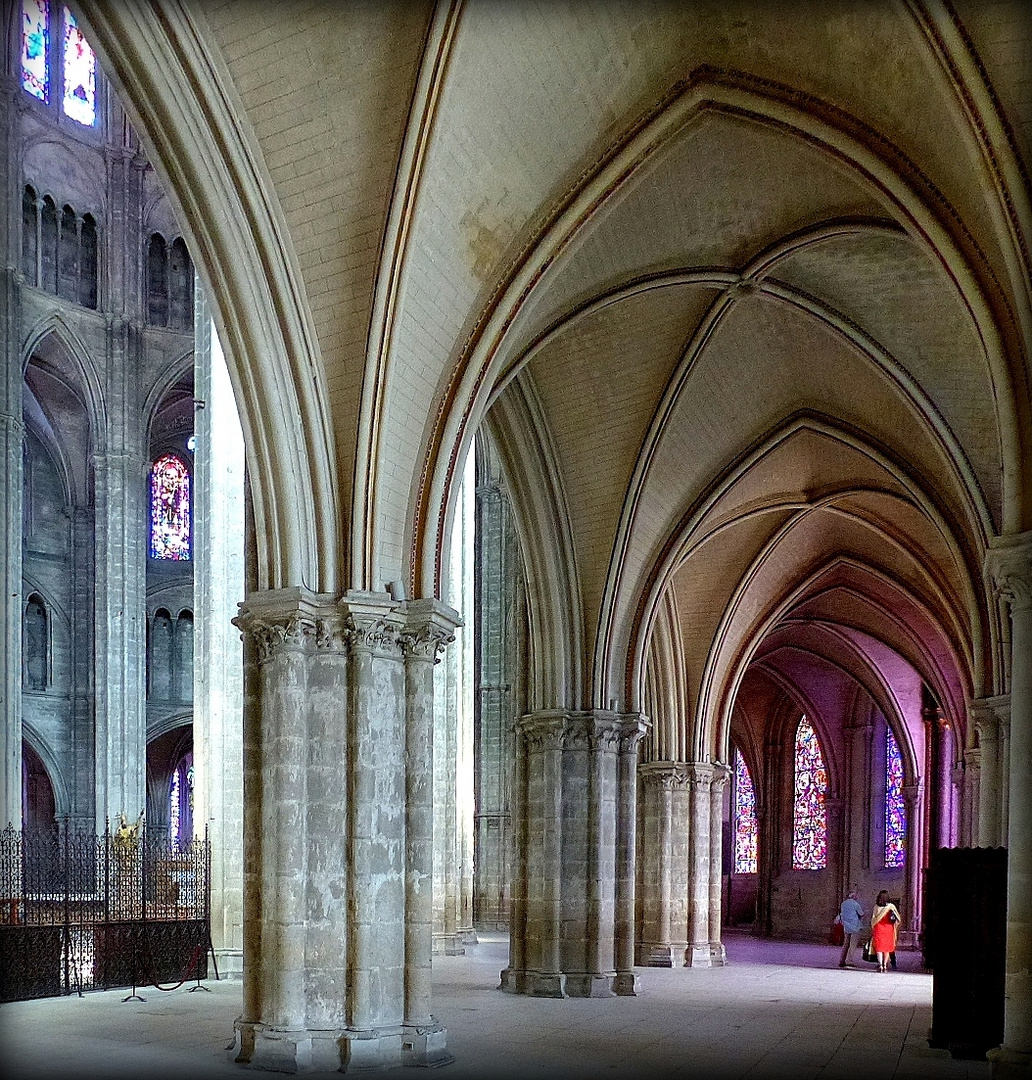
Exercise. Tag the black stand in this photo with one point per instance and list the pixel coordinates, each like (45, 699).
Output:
(134, 996)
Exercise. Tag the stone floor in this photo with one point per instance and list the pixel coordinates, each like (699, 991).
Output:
(777, 1010)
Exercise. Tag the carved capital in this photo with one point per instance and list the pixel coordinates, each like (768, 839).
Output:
(700, 776)
(425, 642)
(721, 775)
(271, 636)
(1008, 564)
(378, 635)
(329, 633)
(282, 619)
(542, 731)
(666, 775)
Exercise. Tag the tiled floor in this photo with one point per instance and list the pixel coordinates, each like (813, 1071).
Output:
(777, 1010)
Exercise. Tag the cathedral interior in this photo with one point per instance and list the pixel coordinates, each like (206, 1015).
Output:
(560, 469)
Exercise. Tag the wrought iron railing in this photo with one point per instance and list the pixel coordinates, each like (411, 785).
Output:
(80, 911)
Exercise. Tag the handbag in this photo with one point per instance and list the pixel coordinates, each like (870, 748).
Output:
(869, 954)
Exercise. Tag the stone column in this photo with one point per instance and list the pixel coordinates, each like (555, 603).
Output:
(663, 864)
(120, 471)
(338, 853)
(218, 492)
(577, 772)
(12, 434)
(429, 626)
(1009, 562)
(721, 774)
(700, 780)
(985, 714)
(496, 622)
(972, 782)
(917, 859)
(627, 983)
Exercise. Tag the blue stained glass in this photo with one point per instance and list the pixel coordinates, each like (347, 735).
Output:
(80, 74)
(745, 818)
(809, 816)
(170, 509)
(895, 807)
(35, 40)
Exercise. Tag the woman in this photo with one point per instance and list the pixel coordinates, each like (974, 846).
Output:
(884, 920)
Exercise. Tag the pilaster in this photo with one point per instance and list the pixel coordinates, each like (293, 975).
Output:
(1009, 566)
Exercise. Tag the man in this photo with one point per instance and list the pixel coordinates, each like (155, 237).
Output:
(851, 915)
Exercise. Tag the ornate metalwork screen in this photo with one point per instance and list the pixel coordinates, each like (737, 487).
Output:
(85, 912)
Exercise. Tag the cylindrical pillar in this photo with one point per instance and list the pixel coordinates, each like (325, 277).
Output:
(633, 730)
(721, 773)
(427, 631)
(698, 952)
(1010, 563)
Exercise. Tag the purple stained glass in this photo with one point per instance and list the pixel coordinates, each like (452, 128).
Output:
(809, 817)
(35, 42)
(80, 74)
(745, 818)
(170, 509)
(895, 807)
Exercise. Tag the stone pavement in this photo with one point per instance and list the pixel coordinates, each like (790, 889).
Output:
(778, 1011)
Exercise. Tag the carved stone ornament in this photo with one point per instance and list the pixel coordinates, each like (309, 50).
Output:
(1009, 563)
(379, 635)
(271, 636)
(425, 642)
(329, 633)
(666, 775)
(542, 732)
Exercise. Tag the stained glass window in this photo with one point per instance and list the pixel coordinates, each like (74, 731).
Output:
(175, 806)
(170, 509)
(895, 808)
(35, 42)
(809, 818)
(745, 818)
(80, 74)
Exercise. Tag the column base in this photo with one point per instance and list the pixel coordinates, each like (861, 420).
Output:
(448, 945)
(569, 984)
(425, 1047)
(658, 953)
(1010, 1064)
(286, 1051)
(627, 984)
(468, 935)
(533, 983)
(698, 955)
(718, 954)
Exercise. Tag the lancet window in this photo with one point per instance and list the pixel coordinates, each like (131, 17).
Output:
(810, 816)
(745, 825)
(170, 508)
(68, 64)
(895, 806)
